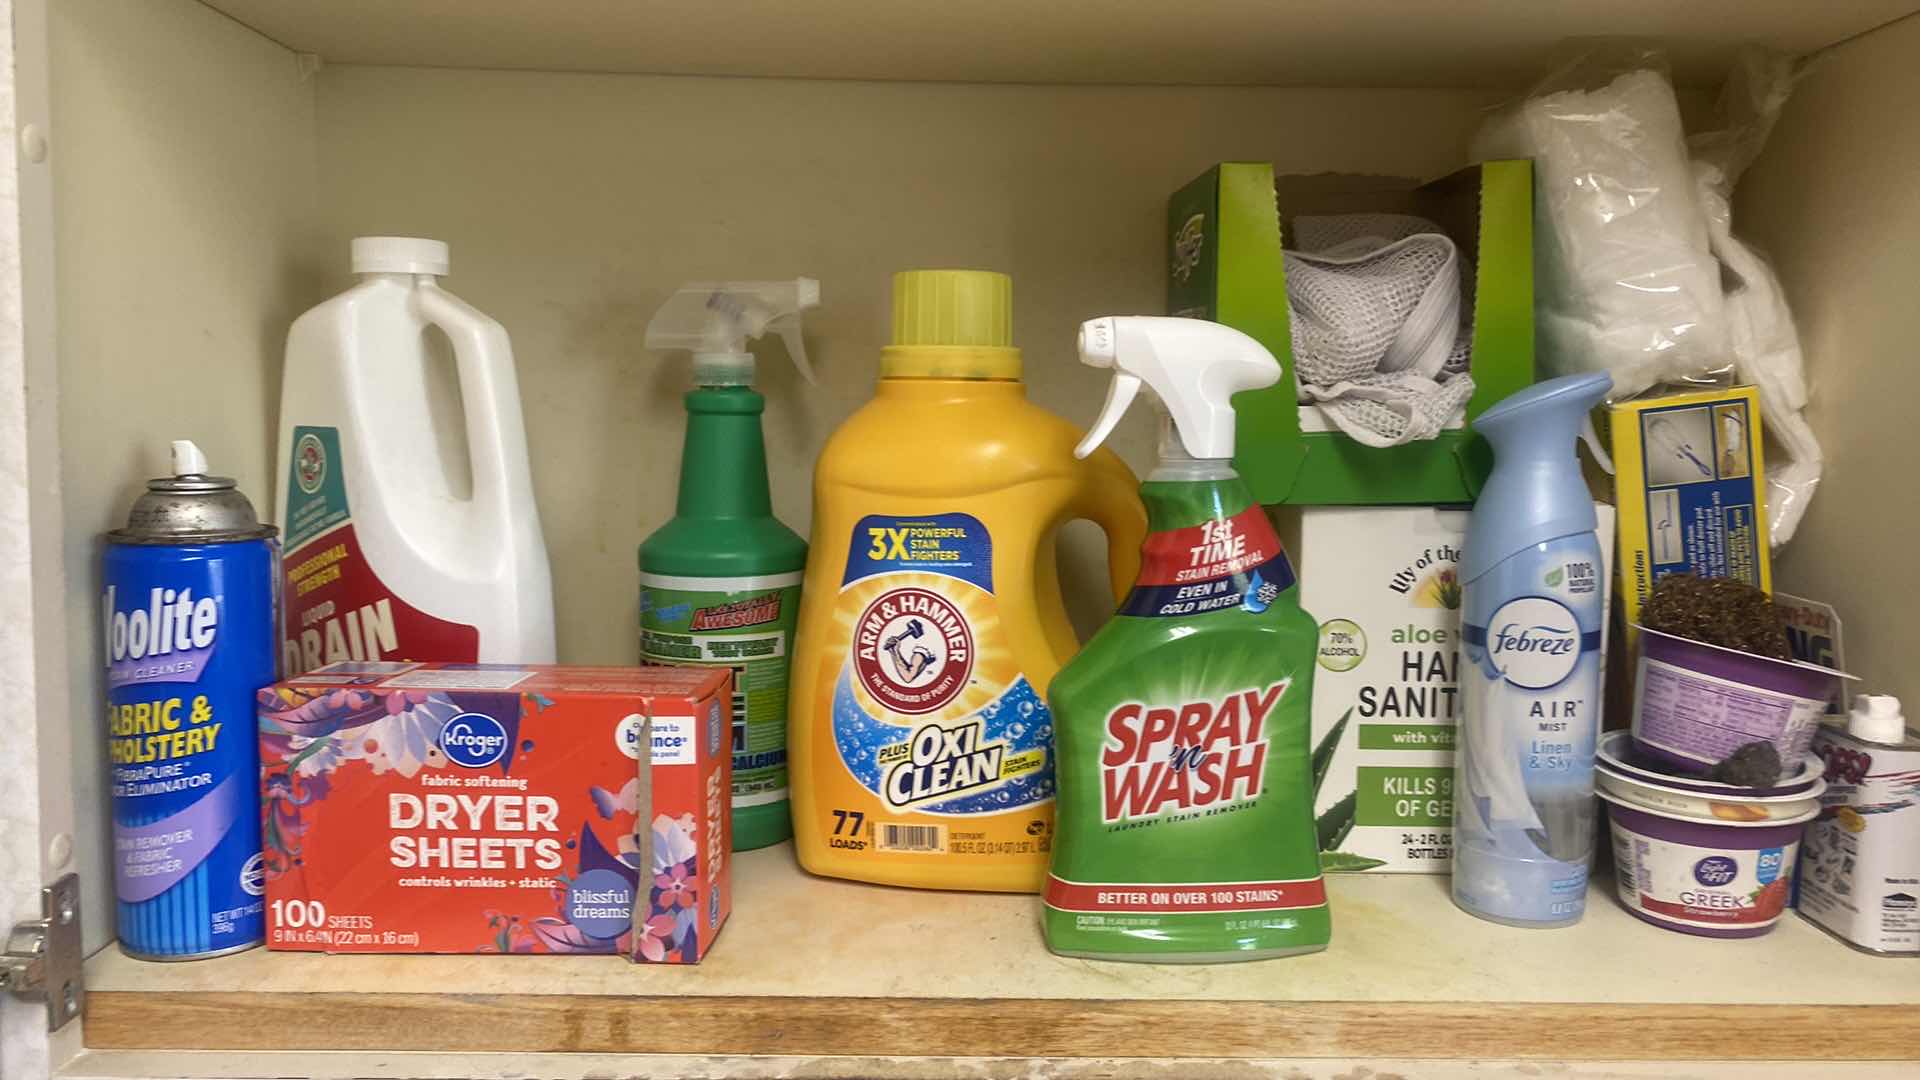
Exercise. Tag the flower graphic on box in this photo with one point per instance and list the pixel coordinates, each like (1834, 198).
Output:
(658, 937)
(1440, 589)
(306, 736)
(676, 890)
(567, 929)
(670, 932)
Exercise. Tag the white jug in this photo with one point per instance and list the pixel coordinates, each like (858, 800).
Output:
(390, 554)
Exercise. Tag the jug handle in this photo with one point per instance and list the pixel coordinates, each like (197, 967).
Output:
(496, 436)
(1110, 498)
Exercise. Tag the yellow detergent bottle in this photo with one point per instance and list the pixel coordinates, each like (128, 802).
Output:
(931, 619)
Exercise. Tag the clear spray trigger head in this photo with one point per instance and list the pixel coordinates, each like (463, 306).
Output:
(715, 320)
(1193, 367)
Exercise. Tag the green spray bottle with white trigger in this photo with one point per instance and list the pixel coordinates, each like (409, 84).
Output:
(720, 582)
(1185, 805)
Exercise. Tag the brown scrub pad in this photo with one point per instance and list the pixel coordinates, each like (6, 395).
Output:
(1718, 611)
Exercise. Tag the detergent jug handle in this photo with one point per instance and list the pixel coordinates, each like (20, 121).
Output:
(496, 436)
(1109, 497)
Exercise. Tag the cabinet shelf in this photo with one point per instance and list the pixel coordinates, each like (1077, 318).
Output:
(816, 967)
(1201, 42)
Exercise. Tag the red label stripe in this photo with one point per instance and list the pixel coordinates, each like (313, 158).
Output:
(1204, 552)
(1765, 911)
(1186, 898)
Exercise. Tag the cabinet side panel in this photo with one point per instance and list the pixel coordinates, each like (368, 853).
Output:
(36, 807)
(1832, 203)
(184, 165)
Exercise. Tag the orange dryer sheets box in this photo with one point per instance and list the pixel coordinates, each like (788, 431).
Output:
(478, 808)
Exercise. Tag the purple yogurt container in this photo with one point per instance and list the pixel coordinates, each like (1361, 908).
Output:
(1694, 704)
(1721, 879)
(1616, 751)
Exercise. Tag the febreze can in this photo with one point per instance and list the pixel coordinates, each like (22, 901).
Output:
(186, 613)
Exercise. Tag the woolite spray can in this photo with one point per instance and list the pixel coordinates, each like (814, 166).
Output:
(187, 620)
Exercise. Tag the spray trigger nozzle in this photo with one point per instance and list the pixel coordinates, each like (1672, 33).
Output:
(187, 458)
(714, 321)
(1120, 394)
(789, 331)
(1192, 366)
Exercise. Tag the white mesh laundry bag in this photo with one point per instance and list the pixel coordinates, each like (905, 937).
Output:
(1379, 341)
(1387, 410)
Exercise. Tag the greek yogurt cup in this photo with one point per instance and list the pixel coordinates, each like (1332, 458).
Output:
(1724, 879)
(1616, 769)
(1617, 752)
(1694, 704)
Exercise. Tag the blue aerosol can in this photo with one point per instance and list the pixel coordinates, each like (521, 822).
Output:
(186, 611)
(1532, 620)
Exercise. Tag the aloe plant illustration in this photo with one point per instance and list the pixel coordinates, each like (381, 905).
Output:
(1345, 861)
(1323, 751)
(1332, 826)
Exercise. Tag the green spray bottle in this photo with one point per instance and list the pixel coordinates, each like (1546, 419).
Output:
(720, 583)
(1184, 814)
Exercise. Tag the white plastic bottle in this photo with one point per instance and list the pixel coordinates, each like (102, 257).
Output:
(1861, 858)
(390, 552)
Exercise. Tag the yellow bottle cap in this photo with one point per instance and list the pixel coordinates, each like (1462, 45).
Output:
(951, 324)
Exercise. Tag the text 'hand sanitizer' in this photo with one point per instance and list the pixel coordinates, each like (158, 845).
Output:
(720, 583)
(1533, 619)
(1185, 810)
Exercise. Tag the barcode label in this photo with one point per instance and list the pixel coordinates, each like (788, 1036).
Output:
(891, 837)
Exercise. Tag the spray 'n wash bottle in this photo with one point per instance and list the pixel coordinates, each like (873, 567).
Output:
(720, 582)
(1533, 618)
(1185, 810)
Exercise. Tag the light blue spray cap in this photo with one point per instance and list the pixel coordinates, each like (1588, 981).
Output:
(1536, 492)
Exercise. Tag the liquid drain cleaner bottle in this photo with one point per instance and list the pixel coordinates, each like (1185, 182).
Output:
(1532, 620)
(1185, 812)
(720, 583)
(405, 538)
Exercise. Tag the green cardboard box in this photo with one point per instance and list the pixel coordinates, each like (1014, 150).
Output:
(1224, 233)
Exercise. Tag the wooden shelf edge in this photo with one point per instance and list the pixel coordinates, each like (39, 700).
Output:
(1032, 1027)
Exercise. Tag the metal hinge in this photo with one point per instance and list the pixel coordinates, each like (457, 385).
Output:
(43, 958)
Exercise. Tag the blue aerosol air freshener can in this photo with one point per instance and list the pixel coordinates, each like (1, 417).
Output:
(1532, 621)
(187, 623)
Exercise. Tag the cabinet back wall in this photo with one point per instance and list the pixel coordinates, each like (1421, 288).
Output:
(208, 188)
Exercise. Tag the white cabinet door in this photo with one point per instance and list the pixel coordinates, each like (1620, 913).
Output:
(36, 794)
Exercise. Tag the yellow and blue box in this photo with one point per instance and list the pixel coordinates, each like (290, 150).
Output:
(1691, 491)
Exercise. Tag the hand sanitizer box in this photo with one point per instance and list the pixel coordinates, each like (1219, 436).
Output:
(1384, 584)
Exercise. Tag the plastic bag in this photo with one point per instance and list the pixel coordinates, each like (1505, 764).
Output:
(1761, 334)
(1638, 272)
(1625, 280)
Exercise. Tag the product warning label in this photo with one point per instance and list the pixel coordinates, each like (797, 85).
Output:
(744, 623)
